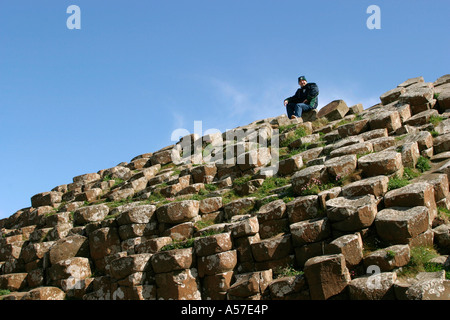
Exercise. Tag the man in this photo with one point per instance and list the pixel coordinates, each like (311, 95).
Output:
(305, 99)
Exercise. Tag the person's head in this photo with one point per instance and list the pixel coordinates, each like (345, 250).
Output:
(302, 81)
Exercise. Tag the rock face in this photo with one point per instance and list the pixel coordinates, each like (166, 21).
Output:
(335, 205)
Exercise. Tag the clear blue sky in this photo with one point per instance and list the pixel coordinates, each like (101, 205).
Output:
(78, 101)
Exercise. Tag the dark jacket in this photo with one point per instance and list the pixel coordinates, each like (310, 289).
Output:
(309, 92)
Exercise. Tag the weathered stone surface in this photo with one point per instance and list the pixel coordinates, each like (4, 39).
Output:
(310, 231)
(254, 158)
(239, 207)
(440, 184)
(153, 245)
(352, 214)
(272, 248)
(11, 250)
(392, 95)
(341, 166)
(118, 171)
(69, 247)
(129, 231)
(164, 157)
(89, 195)
(351, 246)
(311, 138)
(443, 127)
(215, 286)
(444, 100)
(103, 242)
(245, 227)
(356, 109)
(213, 244)
(421, 118)
(442, 237)
(430, 289)
(311, 154)
(388, 258)
(424, 139)
(414, 194)
(417, 96)
(309, 175)
(353, 128)
(289, 288)
(411, 81)
(243, 247)
(76, 268)
(358, 148)
(178, 285)
(376, 186)
(138, 214)
(271, 228)
(89, 214)
(123, 267)
(326, 275)
(374, 134)
(272, 211)
(46, 199)
(410, 154)
(181, 231)
(380, 144)
(13, 281)
(397, 225)
(386, 119)
(178, 212)
(217, 263)
(326, 195)
(335, 110)
(35, 251)
(209, 205)
(136, 292)
(441, 143)
(45, 293)
(250, 284)
(380, 163)
(57, 219)
(87, 178)
(200, 174)
(375, 287)
(172, 260)
(291, 165)
(348, 141)
(303, 208)
(249, 187)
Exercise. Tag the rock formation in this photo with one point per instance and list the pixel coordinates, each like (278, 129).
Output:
(331, 206)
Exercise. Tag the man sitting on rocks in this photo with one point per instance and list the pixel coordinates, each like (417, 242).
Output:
(305, 99)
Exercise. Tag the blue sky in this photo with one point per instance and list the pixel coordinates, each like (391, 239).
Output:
(78, 101)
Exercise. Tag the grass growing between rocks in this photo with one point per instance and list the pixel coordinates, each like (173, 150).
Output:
(319, 123)
(298, 133)
(4, 292)
(396, 182)
(435, 120)
(288, 271)
(315, 186)
(286, 154)
(423, 164)
(358, 117)
(189, 243)
(420, 262)
(118, 203)
(444, 215)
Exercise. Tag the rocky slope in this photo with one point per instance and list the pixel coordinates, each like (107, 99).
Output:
(346, 203)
